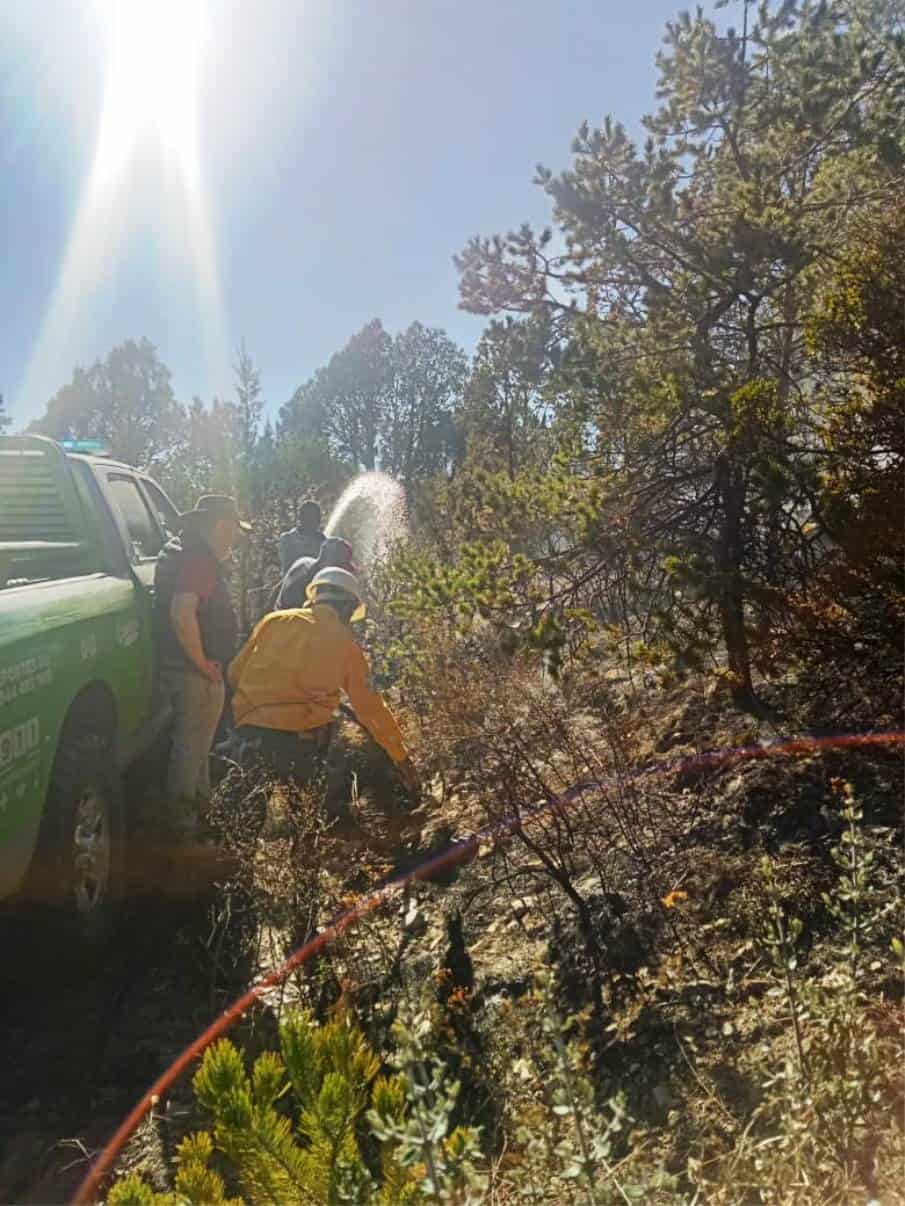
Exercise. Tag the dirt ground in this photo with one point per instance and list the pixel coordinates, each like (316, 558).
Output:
(78, 1046)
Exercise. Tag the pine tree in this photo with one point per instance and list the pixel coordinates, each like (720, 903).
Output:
(418, 434)
(683, 289)
(294, 1130)
(505, 407)
(249, 405)
(346, 401)
(385, 402)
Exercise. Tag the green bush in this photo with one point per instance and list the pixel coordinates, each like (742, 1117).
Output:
(315, 1124)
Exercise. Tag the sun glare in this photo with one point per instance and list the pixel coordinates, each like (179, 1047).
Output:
(152, 80)
(150, 96)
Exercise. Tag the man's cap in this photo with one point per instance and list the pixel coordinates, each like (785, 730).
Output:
(213, 506)
(337, 552)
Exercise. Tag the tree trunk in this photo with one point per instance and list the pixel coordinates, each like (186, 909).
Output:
(244, 617)
(510, 450)
(728, 557)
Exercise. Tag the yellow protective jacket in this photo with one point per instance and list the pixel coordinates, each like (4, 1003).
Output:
(291, 670)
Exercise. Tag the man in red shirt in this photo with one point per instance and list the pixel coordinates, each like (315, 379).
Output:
(197, 636)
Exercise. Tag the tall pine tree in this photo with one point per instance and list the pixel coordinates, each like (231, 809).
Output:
(346, 401)
(683, 286)
(418, 434)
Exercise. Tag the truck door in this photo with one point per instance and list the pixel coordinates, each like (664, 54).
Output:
(143, 540)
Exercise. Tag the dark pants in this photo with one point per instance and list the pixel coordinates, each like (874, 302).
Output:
(294, 757)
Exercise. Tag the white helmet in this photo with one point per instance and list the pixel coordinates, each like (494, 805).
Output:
(336, 583)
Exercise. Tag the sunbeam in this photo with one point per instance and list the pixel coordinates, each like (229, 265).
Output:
(154, 50)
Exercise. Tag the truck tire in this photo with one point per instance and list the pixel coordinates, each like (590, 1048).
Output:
(76, 880)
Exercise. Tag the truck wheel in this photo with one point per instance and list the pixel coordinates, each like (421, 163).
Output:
(77, 871)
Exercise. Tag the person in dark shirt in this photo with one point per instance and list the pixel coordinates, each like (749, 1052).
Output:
(333, 553)
(197, 636)
(305, 539)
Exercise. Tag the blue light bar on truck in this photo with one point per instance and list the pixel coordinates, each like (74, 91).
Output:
(91, 447)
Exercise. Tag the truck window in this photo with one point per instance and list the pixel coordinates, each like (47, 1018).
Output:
(144, 535)
(167, 515)
(95, 503)
(32, 506)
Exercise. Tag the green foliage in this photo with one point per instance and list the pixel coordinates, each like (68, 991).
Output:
(419, 435)
(507, 410)
(854, 334)
(133, 1191)
(585, 1147)
(825, 1106)
(126, 400)
(330, 1071)
(195, 1183)
(384, 401)
(249, 410)
(345, 400)
(421, 1136)
(571, 1142)
(679, 303)
(301, 1127)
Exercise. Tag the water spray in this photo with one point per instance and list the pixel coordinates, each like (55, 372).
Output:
(370, 514)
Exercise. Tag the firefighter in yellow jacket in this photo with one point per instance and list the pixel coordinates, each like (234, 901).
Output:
(288, 677)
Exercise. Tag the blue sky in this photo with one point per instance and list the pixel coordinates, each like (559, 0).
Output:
(344, 151)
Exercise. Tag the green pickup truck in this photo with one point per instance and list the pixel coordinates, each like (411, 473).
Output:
(79, 541)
